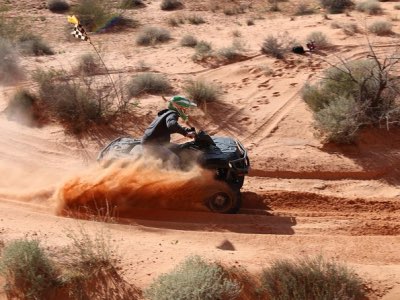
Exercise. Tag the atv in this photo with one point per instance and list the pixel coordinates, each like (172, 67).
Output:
(225, 155)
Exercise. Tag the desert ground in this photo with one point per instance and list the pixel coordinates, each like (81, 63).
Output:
(302, 197)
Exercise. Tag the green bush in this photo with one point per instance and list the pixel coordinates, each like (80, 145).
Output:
(340, 119)
(365, 90)
(27, 269)
(336, 6)
(150, 83)
(170, 4)
(201, 92)
(31, 44)
(194, 279)
(381, 28)
(57, 6)
(152, 35)
(10, 70)
(189, 41)
(372, 7)
(312, 279)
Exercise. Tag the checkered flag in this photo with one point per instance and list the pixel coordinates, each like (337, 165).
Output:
(79, 32)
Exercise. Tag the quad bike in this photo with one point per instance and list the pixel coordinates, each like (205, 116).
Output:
(224, 155)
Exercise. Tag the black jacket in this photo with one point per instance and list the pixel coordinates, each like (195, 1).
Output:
(160, 130)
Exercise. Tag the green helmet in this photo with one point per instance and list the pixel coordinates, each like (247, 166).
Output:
(178, 102)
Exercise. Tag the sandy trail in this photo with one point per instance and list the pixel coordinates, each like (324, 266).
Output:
(302, 198)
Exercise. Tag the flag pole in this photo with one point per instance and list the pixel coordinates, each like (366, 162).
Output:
(79, 32)
(108, 72)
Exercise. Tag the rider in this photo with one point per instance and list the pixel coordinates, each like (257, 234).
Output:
(157, 136)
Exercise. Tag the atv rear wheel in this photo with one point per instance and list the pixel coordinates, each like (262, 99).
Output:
(225, 203)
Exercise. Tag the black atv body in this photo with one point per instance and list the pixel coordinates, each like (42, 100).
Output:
(225, 155)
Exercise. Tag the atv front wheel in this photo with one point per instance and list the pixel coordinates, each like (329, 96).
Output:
(225, 203)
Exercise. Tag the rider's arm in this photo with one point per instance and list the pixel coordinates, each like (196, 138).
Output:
(174, 127)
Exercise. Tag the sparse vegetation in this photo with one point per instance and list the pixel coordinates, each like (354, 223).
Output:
(130, 4)
(170, 4)
(88, 64)
(319, 38)
(93, 14)
(312, 279)
(189, 41)
(195, 19)
(79, 103)
(203, 50)
(336, 6)
(10, 70)
(201, 92)
(278, 45)
(27, 269)
(194, 279)
(31, 44)
(152, 35)
(148, 83)
(303, 9)
(351, 96)
(372, 7)
(23, 107)
(381, 28)
(58, 6)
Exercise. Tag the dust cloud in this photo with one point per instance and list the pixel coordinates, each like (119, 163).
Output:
(125, 185)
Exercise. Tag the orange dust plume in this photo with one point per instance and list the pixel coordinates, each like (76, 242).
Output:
(124, 186)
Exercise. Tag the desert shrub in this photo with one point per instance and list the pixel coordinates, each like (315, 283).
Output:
(303, 9)
(195, 19)
(194, 278)
(203, 50)
(273, 46)
(234, 10)
(189, 41)
(397, 6)
(27, 269)
(150, 83)
(350, 28)
(278, 45)
(201, 92)
(320, 39)
(92, 14)
(170, 4)
(10, 70)
(79, 103)
(10, 28)
(381, 27)
(353, 95)
(250, 22)
(152, 35)
(372, 7)
(311, 279)
(336, 6)
(23, 107)
(57, 6)
(88, 64)
(340, 119)
(129, 4)
(31, 44)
